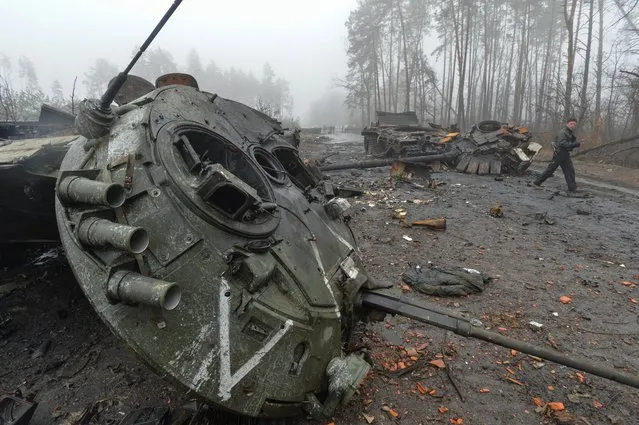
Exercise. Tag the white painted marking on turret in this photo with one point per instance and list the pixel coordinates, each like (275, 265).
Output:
(341, 239)
(337, 235)
(202, 373)
(321, 267)
(225, 340)
(227, 379)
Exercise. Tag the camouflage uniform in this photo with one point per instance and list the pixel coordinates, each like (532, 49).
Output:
(564, 143)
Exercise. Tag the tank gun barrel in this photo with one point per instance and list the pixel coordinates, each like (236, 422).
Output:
(374, 163)
(113, 89)
(441, 318)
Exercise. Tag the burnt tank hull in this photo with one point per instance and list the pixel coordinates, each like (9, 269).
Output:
(28, 172)
(489, 147)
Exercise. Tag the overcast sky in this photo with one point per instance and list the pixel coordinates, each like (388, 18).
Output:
(303, 40)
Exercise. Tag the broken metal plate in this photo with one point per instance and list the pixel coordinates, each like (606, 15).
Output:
(21, 150)
(15, 411)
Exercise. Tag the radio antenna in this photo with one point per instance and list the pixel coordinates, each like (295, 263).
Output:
(112, 91)
(94, 117)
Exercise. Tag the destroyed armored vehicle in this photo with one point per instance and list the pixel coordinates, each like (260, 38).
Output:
(488, 148)
(51, 122)
(494, 148)
(206, 244)
(400, 134)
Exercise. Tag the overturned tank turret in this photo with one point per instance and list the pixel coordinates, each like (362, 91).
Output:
(195, 231)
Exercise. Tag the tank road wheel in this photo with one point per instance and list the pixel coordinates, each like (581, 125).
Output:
(488, 126)
(374, 147)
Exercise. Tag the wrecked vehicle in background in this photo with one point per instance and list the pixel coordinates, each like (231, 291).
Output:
(490, 147)
(494, 148)
(30, 157)
(51, 122)
(400, 134)
(28, 172)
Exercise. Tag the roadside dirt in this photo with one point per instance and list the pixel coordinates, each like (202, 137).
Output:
(55, 350)
(599, 171)
(589, 254)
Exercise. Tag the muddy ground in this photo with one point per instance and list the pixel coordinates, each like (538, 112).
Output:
(55, 351)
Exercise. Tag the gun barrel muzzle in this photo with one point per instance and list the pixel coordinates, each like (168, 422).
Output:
(133, 288)
(95, 231)
(80, 190)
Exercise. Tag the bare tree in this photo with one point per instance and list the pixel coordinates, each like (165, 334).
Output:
(569, 16)
(98, 77)
(598, 127)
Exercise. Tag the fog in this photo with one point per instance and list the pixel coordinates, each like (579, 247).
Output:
(304, 42)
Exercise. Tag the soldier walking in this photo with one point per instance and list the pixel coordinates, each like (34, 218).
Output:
(563, 144)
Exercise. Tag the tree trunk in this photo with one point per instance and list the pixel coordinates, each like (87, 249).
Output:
(406, 67)
(442, 118)
(519, 75)
(483, 98)
(598, 127)
(461, 47)
(583, 107)
(506, 97)
(390, 67)
(451, 85)
(569, 17)
(397, 72)
(383, 78)
(378, 98)
(546, 75)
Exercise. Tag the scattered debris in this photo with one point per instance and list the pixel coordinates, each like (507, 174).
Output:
(438, 363)
(406, 171)
(347, 192)
(7, 326)
(422, 201)
(535, 326)
(42, 349)
(421, 388)
(399, 214)
(557, 406)
(497, 211)
(541, 218)
(432, 223)
(48, 256)
(392, 413)
(369, 418)
(85, 415)
(147, 416)
(451, 281)
(15, 411)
